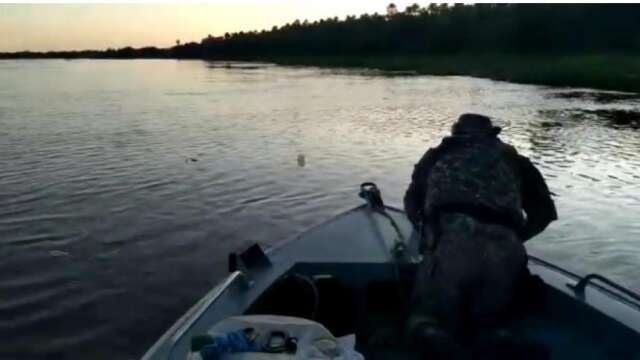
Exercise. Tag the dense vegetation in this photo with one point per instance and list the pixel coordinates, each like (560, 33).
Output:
(442, 29)
(574, 44)
(124, 53)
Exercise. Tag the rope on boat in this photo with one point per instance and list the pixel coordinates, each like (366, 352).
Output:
(371, 194)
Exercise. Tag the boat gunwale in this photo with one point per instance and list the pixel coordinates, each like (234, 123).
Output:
(195, 312)
(601, 288)
(191, 316)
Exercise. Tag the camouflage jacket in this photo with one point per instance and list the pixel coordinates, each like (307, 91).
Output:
(484, 177)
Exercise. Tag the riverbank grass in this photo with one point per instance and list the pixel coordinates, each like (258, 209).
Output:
(606, 72)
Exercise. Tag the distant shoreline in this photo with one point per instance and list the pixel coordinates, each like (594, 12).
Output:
(578, 45)
(617, 72)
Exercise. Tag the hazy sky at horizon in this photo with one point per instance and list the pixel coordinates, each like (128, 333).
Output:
(40, 27)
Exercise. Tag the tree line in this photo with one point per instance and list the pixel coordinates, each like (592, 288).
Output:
(416, 30)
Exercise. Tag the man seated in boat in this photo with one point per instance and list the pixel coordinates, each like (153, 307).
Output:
(467, 198)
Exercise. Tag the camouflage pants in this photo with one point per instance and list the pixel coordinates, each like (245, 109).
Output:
(472, 278)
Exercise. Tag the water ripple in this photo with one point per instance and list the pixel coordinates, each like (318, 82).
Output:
(108, 235)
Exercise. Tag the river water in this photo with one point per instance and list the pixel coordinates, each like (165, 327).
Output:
(124, 184)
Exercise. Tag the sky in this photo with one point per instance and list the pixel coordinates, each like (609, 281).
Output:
(41, 27)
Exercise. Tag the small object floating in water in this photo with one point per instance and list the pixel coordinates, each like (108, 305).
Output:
(58, 253)
(190, 159)
(302, 160)
(107, 255)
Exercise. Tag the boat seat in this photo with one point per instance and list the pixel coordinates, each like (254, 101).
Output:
(311, 337)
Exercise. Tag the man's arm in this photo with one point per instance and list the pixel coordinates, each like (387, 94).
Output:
(415, 196)
(536, 200)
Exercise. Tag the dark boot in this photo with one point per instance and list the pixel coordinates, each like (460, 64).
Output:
(433, 342)
(503, 344)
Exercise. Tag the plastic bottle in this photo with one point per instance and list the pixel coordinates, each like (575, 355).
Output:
(233, 342)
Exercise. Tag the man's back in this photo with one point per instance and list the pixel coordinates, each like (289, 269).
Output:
(467, 196)
(476, 173)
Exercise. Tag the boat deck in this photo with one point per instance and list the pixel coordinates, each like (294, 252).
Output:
(551, 326)
(351, 260)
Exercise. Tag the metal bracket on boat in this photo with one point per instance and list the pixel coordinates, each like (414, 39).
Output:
(399, 251)
(371, 194)
(252, 258)
(579, 287)
(245, 281)
(240, 271)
